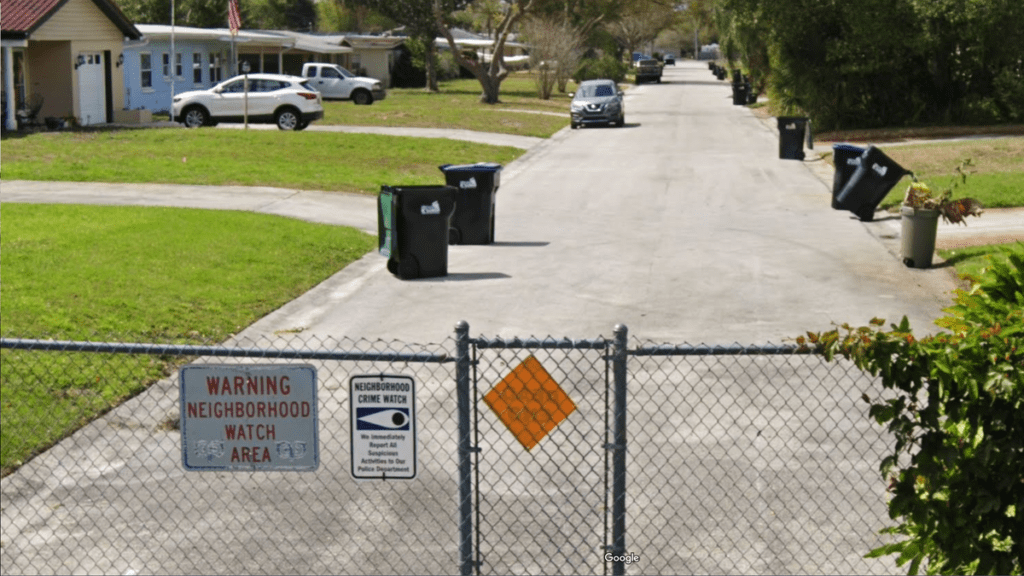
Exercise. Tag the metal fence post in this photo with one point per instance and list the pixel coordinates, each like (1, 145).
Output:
(619, 456)
(462, 393)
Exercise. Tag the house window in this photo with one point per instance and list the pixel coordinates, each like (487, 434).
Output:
(167, 65)
(146, 69)
(215, 73)
(197, 68)
(177, 65)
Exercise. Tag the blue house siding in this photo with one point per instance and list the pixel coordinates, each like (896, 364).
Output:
(195, 65)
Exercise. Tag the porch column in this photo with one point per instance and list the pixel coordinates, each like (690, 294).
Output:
(8, 55)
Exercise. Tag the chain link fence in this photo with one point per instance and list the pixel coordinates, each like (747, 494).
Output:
(732, 460)
(114, 498)
(747, 460)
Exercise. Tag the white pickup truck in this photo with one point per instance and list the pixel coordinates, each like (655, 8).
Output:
(337, 83)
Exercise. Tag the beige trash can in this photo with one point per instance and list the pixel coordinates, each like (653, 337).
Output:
(919, 227)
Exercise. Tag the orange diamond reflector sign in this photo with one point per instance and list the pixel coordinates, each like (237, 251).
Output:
(529, 402)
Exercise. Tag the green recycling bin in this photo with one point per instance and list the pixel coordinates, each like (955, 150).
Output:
(412, 229)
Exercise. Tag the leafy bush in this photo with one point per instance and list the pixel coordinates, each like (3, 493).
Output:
(955, 469)
(604, 67)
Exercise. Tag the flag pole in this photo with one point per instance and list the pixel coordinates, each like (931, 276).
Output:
(171, 64)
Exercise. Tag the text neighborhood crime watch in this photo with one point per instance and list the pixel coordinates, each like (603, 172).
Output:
(383, 425)
(246, 417)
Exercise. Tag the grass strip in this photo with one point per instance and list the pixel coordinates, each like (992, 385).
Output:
(457, 106)
(298, 160)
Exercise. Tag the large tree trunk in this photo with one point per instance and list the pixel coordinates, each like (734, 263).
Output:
(492, 74)
(431, 65)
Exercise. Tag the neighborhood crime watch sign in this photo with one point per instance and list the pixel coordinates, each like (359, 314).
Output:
(383, 424)
(249, 417)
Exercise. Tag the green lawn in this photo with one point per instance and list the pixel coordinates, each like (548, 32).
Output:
(304, 160)
(971, 262)
(136, 274)
(457, 106)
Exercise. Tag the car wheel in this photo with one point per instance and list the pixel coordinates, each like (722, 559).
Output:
(195, 117)
(573, 125)
(621, 121)
(288, 119)
(362, 97)
(302, 125)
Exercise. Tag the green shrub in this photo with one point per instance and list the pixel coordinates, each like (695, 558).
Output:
(604, 67)
(954, 473)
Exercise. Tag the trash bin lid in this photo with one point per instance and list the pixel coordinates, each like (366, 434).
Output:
(848, 148)
(478, 167)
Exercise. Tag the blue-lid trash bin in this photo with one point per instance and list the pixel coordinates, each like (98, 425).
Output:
(792, 132)
(477, 187)
(412, 229)
(846, 158)
(870, 182)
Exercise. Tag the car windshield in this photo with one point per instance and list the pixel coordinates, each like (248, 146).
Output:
(596, 91)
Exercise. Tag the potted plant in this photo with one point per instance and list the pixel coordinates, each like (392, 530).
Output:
(920, 216)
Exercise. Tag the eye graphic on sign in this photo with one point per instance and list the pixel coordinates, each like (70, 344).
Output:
(382, 419)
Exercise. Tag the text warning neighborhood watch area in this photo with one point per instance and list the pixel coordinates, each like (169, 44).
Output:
(249, 417)
(383, 427)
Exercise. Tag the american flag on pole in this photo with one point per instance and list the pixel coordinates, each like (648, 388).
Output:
(234, 18)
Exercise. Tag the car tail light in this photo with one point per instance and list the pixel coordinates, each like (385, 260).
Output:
(309, 95)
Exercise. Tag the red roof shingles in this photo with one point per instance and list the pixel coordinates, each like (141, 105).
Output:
(19, 18)
(25, 15)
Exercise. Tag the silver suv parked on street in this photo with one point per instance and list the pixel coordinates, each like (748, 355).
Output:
(597, 102)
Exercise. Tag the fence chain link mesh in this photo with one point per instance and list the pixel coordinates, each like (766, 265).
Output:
(739, 460)
(752, 463)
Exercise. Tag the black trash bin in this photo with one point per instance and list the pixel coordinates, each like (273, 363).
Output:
(792, 130)
(476, 185)
(846, 158)
(869, 183)
(412, 229)
(739, 93)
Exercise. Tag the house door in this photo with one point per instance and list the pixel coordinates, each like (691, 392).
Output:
(91, 90)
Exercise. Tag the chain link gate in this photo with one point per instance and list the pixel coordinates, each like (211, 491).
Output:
(540, 434)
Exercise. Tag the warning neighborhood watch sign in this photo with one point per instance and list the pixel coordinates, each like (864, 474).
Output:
(383, 424)
(249, 417)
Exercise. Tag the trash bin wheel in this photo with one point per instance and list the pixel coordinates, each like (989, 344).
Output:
(866, 215)
(392, 266)
(454, 236)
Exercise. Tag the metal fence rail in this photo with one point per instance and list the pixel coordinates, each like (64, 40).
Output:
(648, 458)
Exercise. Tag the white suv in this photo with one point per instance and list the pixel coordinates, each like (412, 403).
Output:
(288, 101)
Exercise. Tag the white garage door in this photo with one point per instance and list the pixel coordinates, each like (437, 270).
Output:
(91, 91)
